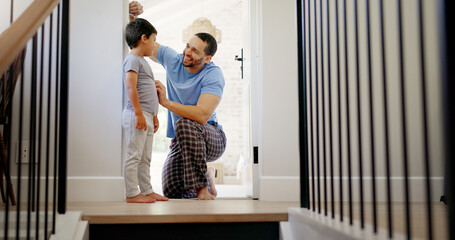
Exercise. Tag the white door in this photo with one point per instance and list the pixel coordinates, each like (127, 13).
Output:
(250, 96)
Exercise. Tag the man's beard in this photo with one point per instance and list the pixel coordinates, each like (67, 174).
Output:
(193, 63)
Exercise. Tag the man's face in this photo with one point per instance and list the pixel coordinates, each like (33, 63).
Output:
(193, 54)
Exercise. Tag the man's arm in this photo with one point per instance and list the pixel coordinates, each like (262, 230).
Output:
(200, 113)
(155, 52)
(135, 9)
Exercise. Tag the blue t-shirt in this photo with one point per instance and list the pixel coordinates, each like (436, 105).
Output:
(184, 87)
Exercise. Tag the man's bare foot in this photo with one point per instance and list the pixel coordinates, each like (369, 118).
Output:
(203, 194)
(157, 197)
(211, 174)
(140, 198)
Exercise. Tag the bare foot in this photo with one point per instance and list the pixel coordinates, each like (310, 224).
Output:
(140, 198)
(211, 174)
(157, 197)
(203, 194)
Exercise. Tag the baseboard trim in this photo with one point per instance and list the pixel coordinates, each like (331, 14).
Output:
(285, 188)
(417, 189)
(279, 188)
(82, 188)
(306, 224)
(95, 189)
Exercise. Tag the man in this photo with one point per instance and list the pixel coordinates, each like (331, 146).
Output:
(195, 87)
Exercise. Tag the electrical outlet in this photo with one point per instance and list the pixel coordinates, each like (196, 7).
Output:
(24, 152)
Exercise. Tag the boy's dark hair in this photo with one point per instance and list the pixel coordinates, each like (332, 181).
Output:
(211, 47)
(135, 29)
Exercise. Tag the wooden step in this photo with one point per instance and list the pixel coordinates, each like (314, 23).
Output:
(183, 211)
(184, 219)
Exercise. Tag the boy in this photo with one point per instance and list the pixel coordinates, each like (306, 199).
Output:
(139, 118)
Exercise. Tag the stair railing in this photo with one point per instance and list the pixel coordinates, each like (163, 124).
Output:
(375, 87)
(34, 119)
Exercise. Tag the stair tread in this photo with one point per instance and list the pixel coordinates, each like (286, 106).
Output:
(183, 211)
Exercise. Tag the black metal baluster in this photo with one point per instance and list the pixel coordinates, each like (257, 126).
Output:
(40, 103)
(311, 108)
(323, 111)
(19, 164)
(317, 104)
(329, 83)
(386, 124)
(33, 129)
(403, 122)
(348, 122)
(373, 171)
(425, 120)
(7, 144)
(340, 145)
(7, 133)
(303, 135)
(62, 170)
(5, 171)
(31, 160)
(11, 19)
(359, 123)
(445, 12)
(56, 123)
(46, 195)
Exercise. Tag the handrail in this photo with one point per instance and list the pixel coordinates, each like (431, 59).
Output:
(14, 39)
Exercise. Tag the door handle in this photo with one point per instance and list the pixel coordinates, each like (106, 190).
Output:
(241, 59)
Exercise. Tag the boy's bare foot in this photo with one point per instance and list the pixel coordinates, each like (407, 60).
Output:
(140, 198)
(157, 197)
(203, 194)
(211, 174)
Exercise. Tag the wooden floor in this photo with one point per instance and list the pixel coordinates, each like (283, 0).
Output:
(183, 211)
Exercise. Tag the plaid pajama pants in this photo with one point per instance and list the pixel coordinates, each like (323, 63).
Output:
(185, 169)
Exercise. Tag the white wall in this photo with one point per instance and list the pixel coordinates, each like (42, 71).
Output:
(278, 148)
(95, 100)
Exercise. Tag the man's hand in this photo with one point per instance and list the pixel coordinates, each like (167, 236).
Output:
(161, 90)
(135, 10)
(156, 123)
(140, 122)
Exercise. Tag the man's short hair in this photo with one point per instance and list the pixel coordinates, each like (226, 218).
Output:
(135, 29)
(211, 47)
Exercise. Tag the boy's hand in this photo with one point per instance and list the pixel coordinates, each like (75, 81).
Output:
(156, 123)
(140, 122)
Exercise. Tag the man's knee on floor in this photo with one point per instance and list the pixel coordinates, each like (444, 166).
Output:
(172, 193)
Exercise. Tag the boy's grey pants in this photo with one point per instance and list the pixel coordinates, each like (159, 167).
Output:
(139, 145)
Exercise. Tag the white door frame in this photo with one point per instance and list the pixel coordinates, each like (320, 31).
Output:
(252, 89)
